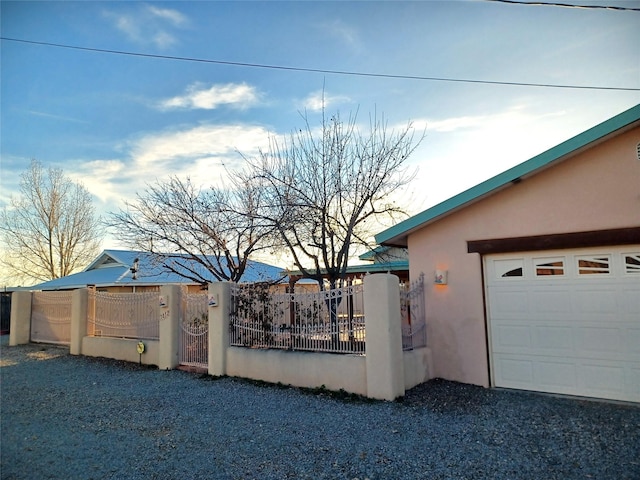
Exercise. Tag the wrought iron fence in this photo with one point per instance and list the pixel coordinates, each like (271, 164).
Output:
(194, 330)
(412, 307)
(51, 317)
(326, 321)
(124, 315)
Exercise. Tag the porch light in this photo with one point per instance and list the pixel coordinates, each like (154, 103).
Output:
(440, 277)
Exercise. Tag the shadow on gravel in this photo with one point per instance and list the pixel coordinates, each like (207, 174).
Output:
(444, 396)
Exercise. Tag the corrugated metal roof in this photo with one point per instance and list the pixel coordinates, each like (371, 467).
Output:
(113, 268)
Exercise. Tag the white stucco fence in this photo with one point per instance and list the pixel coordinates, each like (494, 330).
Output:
(385, 372)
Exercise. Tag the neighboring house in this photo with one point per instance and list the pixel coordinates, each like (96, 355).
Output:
(379, 260)
(112, 271)
(540, 265)
(385, 260)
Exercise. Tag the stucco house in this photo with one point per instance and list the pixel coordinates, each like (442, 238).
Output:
(538, 284)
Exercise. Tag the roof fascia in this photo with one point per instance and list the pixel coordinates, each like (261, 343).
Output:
(397, 235)
(97, 260)
(113, 254)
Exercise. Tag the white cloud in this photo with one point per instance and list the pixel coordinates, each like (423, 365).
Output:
(149, 25)
(103, 178)
(343, 33)
(202, 153)
(163, 40)
(457, 123)
(316, 100)
(156, 152)
(198, 96)
(511, 118)
(173, 16)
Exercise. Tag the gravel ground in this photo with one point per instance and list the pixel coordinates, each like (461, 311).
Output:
(68, 417)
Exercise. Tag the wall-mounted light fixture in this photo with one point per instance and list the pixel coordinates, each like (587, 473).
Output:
(440, 277)
(212, 301)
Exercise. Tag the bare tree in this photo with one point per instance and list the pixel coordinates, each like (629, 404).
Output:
(327, 189)
(202, 235)
(50, 230)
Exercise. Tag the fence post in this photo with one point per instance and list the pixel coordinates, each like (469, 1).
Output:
(384, 358)
(219, 307)
(20, 330)
(169, 325)
(79, 313)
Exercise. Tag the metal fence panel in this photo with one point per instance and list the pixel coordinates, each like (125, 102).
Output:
(51, 317)
(124, 315)
(412, 307)
(325, 321)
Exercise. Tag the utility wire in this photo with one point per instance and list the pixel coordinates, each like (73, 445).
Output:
(318, 70)
(565, 5)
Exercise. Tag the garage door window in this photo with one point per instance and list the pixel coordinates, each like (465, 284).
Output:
(594, 265)
(509, 268)
(632, 263)
(549, 266)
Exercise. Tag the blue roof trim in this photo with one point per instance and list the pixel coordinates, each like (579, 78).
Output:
(397, 234)
(371, 254)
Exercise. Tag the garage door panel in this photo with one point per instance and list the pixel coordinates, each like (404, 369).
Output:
(630, 299)
(603, 378)
(571, 325)
(509, 337)
(599, 342)
(514, 372)
(592, 301)
(512, 302)
(633, 380)
(551, 301)
(553, 340)
(632, 343)
(552, 374)
(556, 375)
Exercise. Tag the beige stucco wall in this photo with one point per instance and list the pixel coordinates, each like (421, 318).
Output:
(597, 189)
(417, 365)
(121, 349)
(379, 374)
(302, 369)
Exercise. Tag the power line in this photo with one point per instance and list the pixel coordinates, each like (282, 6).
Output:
(317, 70)
(565, 5)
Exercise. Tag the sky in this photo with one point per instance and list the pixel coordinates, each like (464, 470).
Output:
(117, 122)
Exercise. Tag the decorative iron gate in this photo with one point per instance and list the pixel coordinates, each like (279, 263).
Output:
(51, 317)
(194, 331)
(412, 309)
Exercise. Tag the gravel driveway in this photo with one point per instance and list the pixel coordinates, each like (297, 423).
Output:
(68, 417)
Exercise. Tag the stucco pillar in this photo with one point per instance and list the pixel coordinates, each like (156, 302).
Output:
(169, 327)
(79, 309)
(384, 360)
(20, 330)
(219, 308)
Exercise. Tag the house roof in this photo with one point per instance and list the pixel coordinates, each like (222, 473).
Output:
(113, 268)
(376, 267)
(397, 235)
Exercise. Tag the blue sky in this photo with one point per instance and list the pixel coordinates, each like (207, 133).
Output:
(117, 122)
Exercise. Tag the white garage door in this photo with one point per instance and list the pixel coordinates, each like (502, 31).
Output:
(566, 321)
